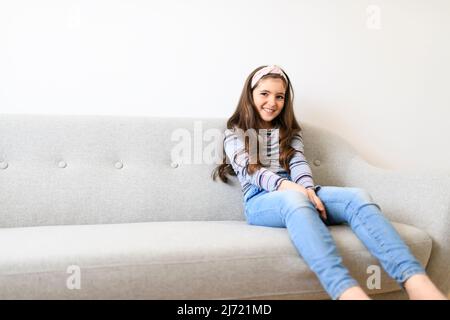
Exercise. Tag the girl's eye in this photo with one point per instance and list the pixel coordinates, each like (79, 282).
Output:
(278, 97)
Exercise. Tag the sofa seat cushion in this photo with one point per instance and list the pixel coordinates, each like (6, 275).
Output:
(175, 260)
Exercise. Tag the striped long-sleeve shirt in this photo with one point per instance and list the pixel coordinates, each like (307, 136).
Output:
(267, 178)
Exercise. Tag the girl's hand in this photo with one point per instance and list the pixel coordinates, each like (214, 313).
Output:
(317, 203)
(289, 185)
(310, 193)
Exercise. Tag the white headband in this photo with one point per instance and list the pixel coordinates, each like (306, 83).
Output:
(266, 70)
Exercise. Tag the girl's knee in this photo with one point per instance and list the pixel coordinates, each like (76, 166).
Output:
(360, 198)
(359, 195)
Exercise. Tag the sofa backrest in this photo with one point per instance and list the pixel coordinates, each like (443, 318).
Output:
(73, 169)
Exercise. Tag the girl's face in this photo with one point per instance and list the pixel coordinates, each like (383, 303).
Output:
(268, 97)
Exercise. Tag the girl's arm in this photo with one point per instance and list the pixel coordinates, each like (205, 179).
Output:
(301, 176)
(300, 171)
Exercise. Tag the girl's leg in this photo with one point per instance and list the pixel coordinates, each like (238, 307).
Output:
(420, 287)
(310, 236)
(355, 207)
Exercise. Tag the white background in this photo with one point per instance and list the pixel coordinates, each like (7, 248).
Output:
(380, 79)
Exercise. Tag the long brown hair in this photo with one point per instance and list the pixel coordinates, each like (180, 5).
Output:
(246, 117)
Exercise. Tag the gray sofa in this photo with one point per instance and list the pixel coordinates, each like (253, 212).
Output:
(104, 194)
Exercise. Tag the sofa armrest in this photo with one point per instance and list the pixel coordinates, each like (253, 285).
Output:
(420, 199)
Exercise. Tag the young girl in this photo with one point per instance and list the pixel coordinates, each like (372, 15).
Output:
(281, 193)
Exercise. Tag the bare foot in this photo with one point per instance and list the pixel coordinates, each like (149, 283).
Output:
(420, 287)
(354, 293)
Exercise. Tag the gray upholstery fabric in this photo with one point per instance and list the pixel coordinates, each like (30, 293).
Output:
(90, 189)
(180, 260)
(58, 173)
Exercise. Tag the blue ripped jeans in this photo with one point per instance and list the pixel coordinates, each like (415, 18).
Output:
(313, 241)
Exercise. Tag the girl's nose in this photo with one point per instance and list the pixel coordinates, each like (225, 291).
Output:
(273, 102)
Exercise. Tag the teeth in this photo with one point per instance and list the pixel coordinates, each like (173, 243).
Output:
(268, 110)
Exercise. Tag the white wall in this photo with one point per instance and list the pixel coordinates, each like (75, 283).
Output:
(380, 81)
